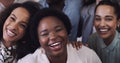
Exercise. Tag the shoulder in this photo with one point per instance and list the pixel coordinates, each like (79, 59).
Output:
(83, 51)
(32, 58)
(26, 59)
(85, 54)
(88, 55)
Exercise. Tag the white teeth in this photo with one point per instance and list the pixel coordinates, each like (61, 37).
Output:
(103, 30)
(10, 33)
(54, 44)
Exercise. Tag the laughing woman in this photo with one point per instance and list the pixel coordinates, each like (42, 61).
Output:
(50, 30)
(14, 23)
(106, 42)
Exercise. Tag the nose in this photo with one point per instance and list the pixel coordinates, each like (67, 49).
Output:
(102, 23)
(52, 36)
(13, 26)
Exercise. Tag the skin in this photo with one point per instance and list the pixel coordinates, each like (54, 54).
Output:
(105, 23)
(15, 25)
(97, 1)
(53, 38)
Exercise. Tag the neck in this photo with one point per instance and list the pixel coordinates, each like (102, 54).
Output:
(58, 59)
(109, 40)
(7, 44)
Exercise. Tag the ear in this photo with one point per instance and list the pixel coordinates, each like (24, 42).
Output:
(118, 23)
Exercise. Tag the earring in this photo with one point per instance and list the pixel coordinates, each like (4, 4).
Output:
(118, 26)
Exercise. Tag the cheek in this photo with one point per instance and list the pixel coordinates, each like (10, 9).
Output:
(43, 41)
(21, 32)
(113, 25)
(96, 24)
(63, 34)
(6, 23)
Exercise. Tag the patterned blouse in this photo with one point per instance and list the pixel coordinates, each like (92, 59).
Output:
(7, 55)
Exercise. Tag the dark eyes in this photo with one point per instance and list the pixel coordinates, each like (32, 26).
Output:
(105, 19)
(58, 29)
(46, 32)
(23, 25)
(108, 19)
(97, 19)
(12, 18)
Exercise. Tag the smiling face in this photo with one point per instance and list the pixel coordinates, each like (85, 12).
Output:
(52, 36)
(105, 21)
(15, 25)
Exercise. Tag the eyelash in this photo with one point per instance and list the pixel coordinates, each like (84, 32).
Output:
(23, 26)
(106, 19)
(47, 33)
(44, 34)
(12, 18)
(58, 29)
(97, 19)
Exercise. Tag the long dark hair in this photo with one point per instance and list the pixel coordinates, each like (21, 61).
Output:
(24, 44)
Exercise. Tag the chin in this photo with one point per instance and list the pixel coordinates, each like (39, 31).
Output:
(104, 36)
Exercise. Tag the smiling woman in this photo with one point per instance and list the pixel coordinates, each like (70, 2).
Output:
(50, 30)
(14, 23)
(106, 41)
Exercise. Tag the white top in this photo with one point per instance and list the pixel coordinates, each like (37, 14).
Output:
(83, 55)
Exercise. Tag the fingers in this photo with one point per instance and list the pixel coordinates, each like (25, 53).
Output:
(86, 45)
(77, 45)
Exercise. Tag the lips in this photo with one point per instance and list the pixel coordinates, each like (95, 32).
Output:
(10, 33)
(103, 30)
(55, 46)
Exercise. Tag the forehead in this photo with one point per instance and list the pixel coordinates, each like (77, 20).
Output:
(105, 10)
(21, 13)
(50, 21)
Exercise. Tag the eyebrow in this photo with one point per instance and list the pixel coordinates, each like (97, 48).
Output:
(24, 22)
(109, 16)
(97, 16)
(14, 15)
(43, 31)
(105, 16)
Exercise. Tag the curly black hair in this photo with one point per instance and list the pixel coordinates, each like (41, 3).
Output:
(46, 12)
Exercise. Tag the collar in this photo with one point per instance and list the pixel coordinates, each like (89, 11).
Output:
(112, 44)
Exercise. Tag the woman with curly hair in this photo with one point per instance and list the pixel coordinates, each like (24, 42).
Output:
(49, 32)
(14, 24)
